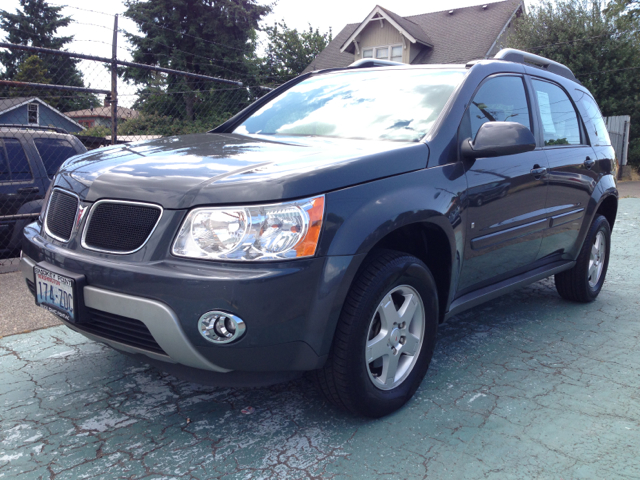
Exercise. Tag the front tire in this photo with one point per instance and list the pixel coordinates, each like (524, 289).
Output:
(584, 281)
(385, 337)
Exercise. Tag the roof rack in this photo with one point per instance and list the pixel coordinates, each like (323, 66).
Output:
(526, 58)
(32, 127)
(373, 62)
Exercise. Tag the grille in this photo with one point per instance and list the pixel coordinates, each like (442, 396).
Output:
(61, 214)
(120, 227)
(128, 331)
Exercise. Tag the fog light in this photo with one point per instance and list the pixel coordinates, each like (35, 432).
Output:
(221, 327)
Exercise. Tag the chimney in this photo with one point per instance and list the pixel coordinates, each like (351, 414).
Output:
(107, 100)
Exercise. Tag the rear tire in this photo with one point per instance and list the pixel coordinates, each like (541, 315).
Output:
(584, 281)
(385, 337)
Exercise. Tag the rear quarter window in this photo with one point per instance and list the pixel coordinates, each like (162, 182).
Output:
(596, 126)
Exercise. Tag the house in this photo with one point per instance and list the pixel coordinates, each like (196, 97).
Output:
(101, 116)
(449, 36)
(33, 111)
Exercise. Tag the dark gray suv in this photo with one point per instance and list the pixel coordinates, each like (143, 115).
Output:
(332, 225)
(29, 158)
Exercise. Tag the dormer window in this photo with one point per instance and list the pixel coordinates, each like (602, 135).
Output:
(390, 52)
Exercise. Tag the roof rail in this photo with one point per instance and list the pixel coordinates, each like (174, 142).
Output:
(373, 62)
(526, 58)
(32, 127)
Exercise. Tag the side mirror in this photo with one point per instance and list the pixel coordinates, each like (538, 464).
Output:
(495, 139)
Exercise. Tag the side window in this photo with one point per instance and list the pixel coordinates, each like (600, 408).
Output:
(596, 128)
(559, 119)
(53, 152)
(500, 99)
(18, 163)
(5, 174)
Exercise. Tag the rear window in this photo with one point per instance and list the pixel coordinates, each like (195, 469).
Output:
(596, 127)
(53, 152)
(398, 105)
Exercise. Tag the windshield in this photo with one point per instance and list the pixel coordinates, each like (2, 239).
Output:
(399, 105)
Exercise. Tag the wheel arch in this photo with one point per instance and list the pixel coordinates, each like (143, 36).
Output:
(430, 241)
(608, 207)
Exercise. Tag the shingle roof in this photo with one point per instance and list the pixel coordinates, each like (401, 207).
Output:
(466, 34)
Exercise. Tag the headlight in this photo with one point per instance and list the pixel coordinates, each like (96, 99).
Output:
(261, 232)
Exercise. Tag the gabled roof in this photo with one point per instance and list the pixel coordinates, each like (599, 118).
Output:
(11, 103)
(410, 27)
(410, 30)
(466, 34)
(8, 104)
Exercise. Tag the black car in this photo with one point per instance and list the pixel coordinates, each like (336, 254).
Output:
(333, 224)
(29, 158)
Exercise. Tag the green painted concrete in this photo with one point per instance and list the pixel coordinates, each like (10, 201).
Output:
(527, 386)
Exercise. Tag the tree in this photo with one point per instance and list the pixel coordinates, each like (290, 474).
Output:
(31, 70)
(289, 52)
(600, 46)
(36, 25)
(209, 37)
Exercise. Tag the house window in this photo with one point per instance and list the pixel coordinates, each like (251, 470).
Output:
(33, 114)
(392, 52)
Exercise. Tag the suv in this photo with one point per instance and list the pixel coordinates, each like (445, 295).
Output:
(333, 224)
(29, 158)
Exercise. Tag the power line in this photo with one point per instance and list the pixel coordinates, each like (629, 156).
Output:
(153, 24)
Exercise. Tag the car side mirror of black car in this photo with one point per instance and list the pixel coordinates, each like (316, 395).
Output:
(495, 139)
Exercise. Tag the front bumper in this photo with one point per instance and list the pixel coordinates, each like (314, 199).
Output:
(290, 307)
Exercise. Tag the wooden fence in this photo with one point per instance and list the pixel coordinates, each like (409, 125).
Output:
(618, 128)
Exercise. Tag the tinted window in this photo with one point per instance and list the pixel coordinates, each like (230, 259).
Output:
(5, 175)
(559, 119)
(53, 152)
(596, 127)
(18, 163)
(500, 99)
(363, 104)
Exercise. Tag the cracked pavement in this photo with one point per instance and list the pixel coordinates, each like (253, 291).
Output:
(525, 386)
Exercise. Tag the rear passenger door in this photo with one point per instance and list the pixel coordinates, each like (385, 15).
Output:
(505, 195)
(572, 167)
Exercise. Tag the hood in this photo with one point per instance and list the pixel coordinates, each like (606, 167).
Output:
(210, 169)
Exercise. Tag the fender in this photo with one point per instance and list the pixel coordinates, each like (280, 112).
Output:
(359, 217)
(605, 188)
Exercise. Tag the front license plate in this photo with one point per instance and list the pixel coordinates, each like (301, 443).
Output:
(55, 293)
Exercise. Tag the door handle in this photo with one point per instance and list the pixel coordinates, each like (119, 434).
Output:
(589, 163)
(538, 171)
(28, 190)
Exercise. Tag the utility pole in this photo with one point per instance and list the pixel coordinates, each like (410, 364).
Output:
(114, 83)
